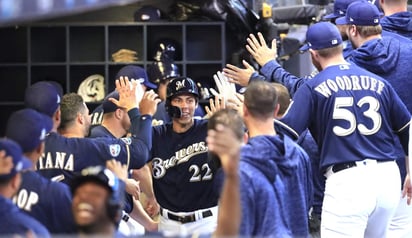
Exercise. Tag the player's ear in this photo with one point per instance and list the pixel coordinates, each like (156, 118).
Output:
(352, 30)
(16, 181)
(276, 112)
(40, 148)
(245, 111)
(118, 113)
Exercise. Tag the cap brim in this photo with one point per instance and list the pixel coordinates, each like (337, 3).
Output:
(47, 122)
(330, 16)
(27, 164)
(149, 84)
(304, 48)
(341, 21)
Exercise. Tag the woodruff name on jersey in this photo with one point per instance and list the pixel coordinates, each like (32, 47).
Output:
(160, 166)
(352, 82)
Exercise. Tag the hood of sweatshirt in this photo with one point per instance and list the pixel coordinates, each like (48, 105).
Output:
(378, 55)
(400, 23)
(271, 155)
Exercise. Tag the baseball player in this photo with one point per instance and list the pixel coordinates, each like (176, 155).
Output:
(351, 115)
(278, 176)
(115, 124)
(98, 196)
(384, 55)
(183, 180)
(63, 155)
(14, 222)
(46, 201)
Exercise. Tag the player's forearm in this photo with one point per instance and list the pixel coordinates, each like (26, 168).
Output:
(141, 130)
(229, 217)
(139, 215)
(145, 177)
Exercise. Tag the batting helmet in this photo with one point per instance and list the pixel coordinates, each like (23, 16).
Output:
(181, 85)
(104, 177)
(161, 71)
(178, 86)
(167, 49)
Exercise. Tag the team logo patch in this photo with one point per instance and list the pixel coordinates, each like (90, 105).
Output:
(114, 150)
(127, 140)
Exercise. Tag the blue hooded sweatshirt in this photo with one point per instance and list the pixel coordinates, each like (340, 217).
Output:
(399, 23)
(390, 58)
(275, 176)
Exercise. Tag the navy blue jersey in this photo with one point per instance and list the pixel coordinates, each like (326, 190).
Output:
(15, 221)
(46, 201)
(65, 156)
(97, 115)
(351, 113)
(183, 181)
(101, 131)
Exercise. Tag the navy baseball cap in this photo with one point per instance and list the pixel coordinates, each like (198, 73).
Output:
(43, 97)
(28, 128)
(107, 105)
(361, 13)
(339, 9)
(19, 161)
(136, 73)
(322, 35)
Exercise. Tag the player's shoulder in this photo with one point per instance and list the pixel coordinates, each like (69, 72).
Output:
(100, 131)
(162, 129)
(47, 187)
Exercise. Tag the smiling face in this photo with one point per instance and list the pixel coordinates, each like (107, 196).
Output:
(89, 207)
(187, 104)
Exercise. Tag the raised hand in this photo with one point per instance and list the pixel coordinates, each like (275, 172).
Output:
(148, 104)
(259, 49)
(127, 94)
(238, 75)
(215, 105)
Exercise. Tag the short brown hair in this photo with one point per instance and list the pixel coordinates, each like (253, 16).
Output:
(366, 31)
(283, 97)
(261, 99)
(71, 104)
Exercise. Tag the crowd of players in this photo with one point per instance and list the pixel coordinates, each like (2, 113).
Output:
(331, 162)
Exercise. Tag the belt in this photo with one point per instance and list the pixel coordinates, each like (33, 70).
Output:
(342, 166)
(186, 218)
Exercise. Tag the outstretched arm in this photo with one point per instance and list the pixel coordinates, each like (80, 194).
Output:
(224, 143)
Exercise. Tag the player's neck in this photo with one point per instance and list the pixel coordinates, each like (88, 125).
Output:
(179, 127)
(261, 128)
(72, 133)
(390, 10)
(115, 129)
(335, 60)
